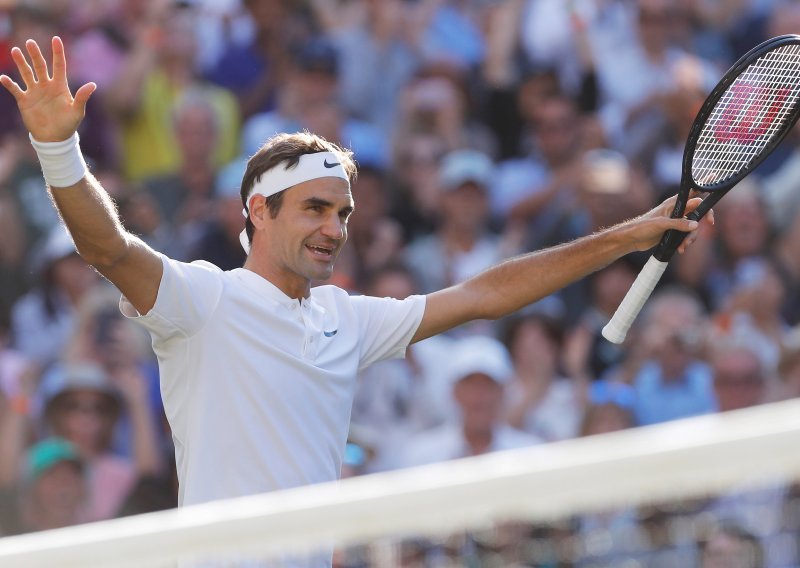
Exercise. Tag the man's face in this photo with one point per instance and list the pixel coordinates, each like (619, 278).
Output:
(302, 242)
(480, 399)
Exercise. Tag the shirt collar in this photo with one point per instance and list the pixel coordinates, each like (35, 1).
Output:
(264, 288)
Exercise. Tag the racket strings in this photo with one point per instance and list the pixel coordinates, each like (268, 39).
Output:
(748, 116)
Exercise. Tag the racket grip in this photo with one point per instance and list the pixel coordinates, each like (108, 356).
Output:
(616, 329)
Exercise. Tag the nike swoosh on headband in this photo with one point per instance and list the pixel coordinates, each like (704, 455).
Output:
(327, 165)
(330, 333)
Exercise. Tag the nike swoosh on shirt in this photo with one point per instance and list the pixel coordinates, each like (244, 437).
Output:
(327, 165)
(330, 333)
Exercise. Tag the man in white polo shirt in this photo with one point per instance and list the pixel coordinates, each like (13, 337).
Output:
(258, 369)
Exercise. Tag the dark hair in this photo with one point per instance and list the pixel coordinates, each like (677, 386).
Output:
(552, 327)
(754, 553)
(286, 149)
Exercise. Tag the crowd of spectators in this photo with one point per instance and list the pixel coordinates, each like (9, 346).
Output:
(482, 129)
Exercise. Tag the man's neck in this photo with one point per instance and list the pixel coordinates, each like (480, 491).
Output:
(297, 288)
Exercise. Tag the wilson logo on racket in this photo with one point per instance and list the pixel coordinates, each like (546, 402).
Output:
(740, 120)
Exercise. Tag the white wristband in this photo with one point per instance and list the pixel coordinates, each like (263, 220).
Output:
(62, 162)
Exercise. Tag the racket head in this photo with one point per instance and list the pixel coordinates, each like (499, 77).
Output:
(747, 114)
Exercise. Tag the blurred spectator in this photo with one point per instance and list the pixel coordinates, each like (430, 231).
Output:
(82, 406)
(741, 231)
(13, 277)
(40, 21)
(508, 91)
(753, 309)
(552, 32)
(185, 196)
(462, 245)
(729, 546)
(52, 489)
(374, 238)
(789, 372)
(741, 379)
(631, 112)
(308, 99)
(158, 71)
(672, 380)
(537, 189)
(142, 216)
(415, 182)
(610, 537)
(437, 101)
(541, 400)
(609, 190)
(43, 320)
(479, 370)
(449, 31)
(377, 55)
(256, 69)
(399, 398)
(610, 408)
(587, 354)
(217, 237)
(659, 147)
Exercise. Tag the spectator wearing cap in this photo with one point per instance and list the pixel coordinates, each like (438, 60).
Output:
(309, 99)
(52, 491)
(462, 245)
(81, 405)
(479, 370)
(609, 408)
(43, 319)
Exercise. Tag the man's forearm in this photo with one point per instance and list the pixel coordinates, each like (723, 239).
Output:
(527, 278)
(92, 219)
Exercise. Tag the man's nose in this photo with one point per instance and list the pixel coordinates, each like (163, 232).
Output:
(334, 228)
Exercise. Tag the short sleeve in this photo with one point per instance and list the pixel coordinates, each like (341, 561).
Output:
(386, 326)
(187, 296)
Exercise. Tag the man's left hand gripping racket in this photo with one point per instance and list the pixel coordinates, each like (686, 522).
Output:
(749, 112)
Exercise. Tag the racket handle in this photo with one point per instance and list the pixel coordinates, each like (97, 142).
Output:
(616, 329)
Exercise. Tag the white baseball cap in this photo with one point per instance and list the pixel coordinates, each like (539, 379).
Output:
(479, 354)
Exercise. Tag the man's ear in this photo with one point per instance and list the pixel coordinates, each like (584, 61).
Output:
(258, 210)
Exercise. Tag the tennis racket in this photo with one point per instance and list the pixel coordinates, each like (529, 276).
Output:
(749, 112)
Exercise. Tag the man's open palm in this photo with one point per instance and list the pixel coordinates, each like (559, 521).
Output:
(48, 109)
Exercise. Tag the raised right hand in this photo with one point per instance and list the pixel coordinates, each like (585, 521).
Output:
(48, 109)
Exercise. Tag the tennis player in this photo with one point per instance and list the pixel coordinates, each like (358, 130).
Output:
(258, 368)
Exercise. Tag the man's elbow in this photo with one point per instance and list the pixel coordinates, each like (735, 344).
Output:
(106, 256)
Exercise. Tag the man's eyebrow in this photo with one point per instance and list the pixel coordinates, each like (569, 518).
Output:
(319, 202)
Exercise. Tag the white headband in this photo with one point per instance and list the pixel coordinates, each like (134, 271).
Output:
(310, 166)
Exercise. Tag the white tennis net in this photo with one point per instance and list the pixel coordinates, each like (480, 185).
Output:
(419, 510)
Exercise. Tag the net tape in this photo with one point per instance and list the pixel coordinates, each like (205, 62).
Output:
(684, 458)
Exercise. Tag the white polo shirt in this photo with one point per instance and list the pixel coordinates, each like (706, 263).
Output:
(257, 386)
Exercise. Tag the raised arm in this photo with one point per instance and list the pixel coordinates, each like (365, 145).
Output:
(52, 115)
(522, 280)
